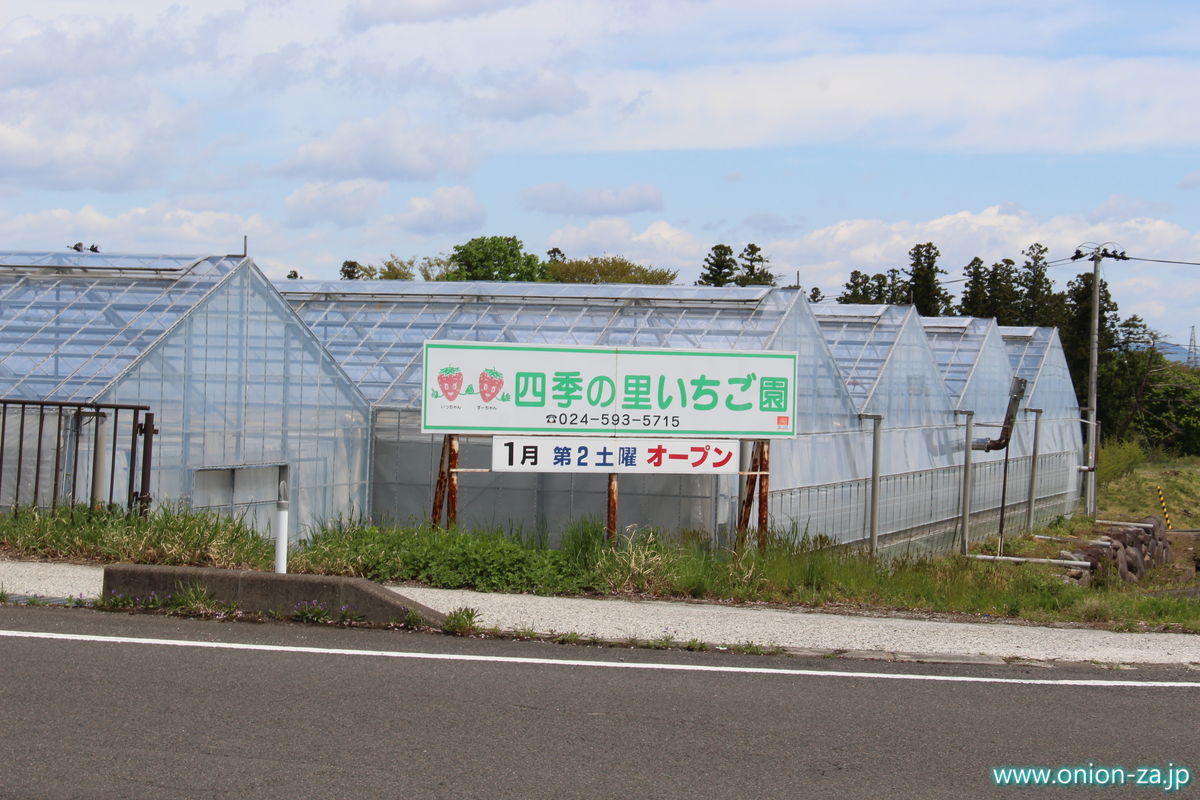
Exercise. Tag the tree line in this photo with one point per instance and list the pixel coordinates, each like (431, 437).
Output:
(1144, 396)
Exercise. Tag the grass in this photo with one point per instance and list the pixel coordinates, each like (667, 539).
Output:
(647, 563)
(166, 536)
(461, 622)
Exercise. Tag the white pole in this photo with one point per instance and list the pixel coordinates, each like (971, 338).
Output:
(281, 529)
(1033, 467)
(876, 458)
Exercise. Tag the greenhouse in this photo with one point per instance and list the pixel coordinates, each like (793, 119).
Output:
(243, 395)
(863, 368)
(321, 385)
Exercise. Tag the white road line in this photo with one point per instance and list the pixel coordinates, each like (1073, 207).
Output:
(565, 662)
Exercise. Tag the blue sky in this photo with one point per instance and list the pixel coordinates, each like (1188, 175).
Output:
(835, 136)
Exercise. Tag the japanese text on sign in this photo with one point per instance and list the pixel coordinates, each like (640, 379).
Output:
(497, 388)
(643, 455)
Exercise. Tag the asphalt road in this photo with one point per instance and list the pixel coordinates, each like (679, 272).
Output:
(98, 719)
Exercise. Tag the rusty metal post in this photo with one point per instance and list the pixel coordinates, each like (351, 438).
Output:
(452, 494)
(439, 489)
(148, 431)
(135, 429)
(764, 467)
(610, 529)
(747, 498)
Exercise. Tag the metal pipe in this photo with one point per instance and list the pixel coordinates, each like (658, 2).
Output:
(281, 528)
(1021, 560)
(1093, 542)
(964, 523)
(1016, 393)
(876, 456)
(1117, 523)
(1033, 466)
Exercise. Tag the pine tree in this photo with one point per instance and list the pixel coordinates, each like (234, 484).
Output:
(925, 289)
(1003, 295)
(974, 299)
(719, 267)
(1040, 305)
(858, 289)
(1076, 333)
(754, 271)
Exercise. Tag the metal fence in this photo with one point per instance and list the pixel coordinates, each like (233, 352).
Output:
(64, 453)
(920, 512)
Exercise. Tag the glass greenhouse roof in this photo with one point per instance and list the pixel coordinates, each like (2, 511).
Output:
(860, 337)
(1026, 348)
(375, 329)
(957, 343)
(72, 322)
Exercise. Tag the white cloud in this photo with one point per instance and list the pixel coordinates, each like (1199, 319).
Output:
(450, 209)
(990, 103)
(345, 203)
(558, 198)
(158, 228)
(362, 14)
(384, 147)
(826, 256)
(660, 244)
(518, 96)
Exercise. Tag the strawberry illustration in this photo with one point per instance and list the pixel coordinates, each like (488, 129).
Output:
(490, 383)
(451, 380)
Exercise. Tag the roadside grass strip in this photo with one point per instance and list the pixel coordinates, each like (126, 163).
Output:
(563, 662)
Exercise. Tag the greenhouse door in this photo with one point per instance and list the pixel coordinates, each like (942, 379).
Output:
(247, 492)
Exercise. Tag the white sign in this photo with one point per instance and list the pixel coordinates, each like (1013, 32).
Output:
(471, 387)
(645, 455)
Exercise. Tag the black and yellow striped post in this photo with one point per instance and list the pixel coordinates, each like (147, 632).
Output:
(1162, 501)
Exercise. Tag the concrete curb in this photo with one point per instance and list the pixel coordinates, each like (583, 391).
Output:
(264, 592)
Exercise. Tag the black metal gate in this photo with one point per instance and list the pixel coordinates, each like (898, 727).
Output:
(63, 453)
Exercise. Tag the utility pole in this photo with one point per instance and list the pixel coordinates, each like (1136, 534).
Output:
(1099, 251)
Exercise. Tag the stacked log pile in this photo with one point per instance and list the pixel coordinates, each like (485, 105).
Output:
(1131, 550)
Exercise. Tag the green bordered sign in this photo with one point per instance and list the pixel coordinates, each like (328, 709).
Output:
(546, 389)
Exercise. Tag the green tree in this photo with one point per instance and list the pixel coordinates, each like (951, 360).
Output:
(395, 268)
(555, 256)
(435, 268)
(1170, 408)
(891, 288)
(1129, 373)
(293, 275)
(719, 267)
(494, 258)
(925, 288)
(858, 290)
(608, 269)
(753, 269)
(815, 295)
(974, 299)
(1004, 296)
(1076, 335)
(1040, 304)
(354, 271)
